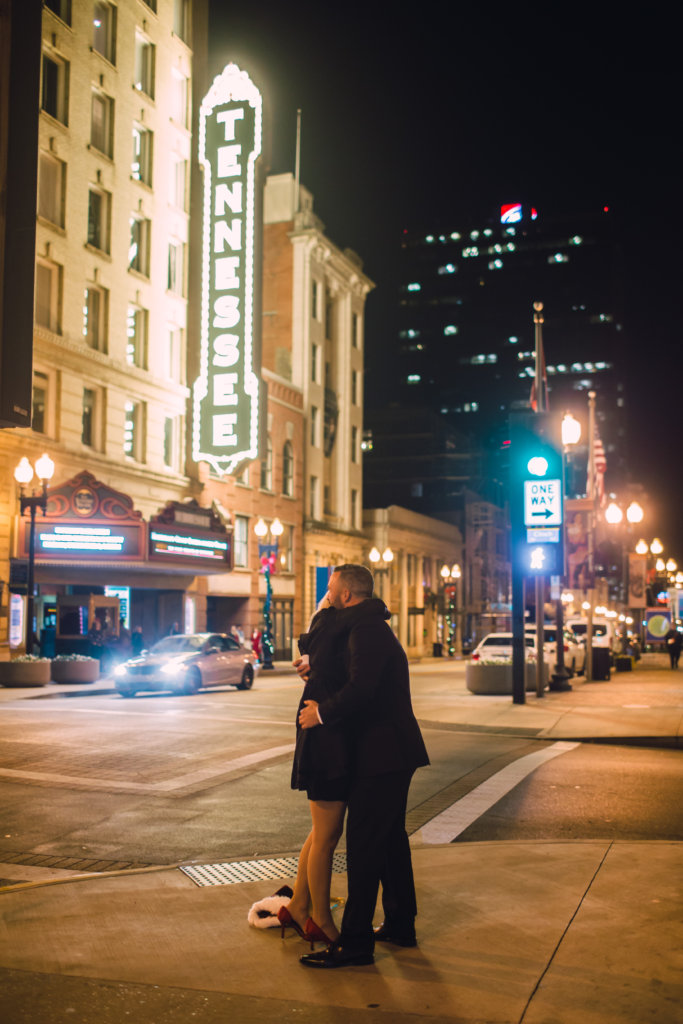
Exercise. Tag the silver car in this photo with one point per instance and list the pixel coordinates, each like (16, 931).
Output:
(187, 662)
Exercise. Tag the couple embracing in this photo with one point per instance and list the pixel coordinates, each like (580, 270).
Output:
(358, 744)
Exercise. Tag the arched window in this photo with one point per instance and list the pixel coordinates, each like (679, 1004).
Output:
(288, 469)
(267, 467)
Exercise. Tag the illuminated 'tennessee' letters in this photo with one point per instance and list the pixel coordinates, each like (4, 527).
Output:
(226, 393)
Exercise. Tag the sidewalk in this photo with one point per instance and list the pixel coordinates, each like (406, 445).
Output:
(584, 932)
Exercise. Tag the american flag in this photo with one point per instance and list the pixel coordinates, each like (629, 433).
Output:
(533, 397)
(598, 468)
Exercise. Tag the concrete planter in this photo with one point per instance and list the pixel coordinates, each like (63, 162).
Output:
(75, 671)
(24, 673)
(497, 679)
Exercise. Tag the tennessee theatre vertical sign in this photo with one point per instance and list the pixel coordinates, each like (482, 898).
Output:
(226, 393)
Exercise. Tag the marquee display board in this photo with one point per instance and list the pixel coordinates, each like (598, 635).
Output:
(226, 393)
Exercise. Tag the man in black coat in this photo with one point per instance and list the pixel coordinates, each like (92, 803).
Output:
(386, 748)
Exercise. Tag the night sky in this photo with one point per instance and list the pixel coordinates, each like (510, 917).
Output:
(428, 117)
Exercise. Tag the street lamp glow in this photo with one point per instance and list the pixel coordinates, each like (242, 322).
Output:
(23, 473)
(571, 430)
(641, 547)
(660, 565)
(387, 555)
(600, 609)
(634, 513)
(260, 528)
(445, 572)
(276, 528)
(671, 565)
(374, 555)
(586, 605)
(656, 547)
(613, 514)
(456, 572)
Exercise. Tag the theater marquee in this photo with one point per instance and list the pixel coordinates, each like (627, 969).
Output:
(226, 393)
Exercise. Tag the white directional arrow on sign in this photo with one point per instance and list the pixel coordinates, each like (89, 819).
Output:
(542, 503)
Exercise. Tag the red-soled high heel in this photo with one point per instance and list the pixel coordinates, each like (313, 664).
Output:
(314, 933)
(287, 921)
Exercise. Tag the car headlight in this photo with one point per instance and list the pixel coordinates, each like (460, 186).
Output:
(172, 668)
(120, 670)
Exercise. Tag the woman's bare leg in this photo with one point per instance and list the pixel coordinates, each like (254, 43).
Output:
(328, 824)
(300, 904)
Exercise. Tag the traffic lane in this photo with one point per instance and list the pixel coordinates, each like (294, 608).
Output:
(592, 792)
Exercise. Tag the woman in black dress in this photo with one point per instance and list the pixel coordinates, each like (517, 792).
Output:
(321, 768)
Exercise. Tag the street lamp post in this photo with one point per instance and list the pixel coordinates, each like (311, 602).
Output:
(381, 563)
(559, 681)
(23, 474)
(268, 558)
(450, 576)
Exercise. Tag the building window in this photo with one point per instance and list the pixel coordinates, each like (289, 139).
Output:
(104, 30)
(133, 427)
(267, 467)
(354, 387)
(315, 428)
(62, 8)
(315, 363)
(354, 510)
(285, 550)
(137, 321)
(48, 300)
(176, 267)
(39, 402)
(355, 330)
(145, 59)
(329, 316)
(55, 91)
(178, 183)
(171, 436)
(241, 542)
(315, 299)
(138, 251)
(354, 444)
(152, 4)
(102, 123)
(313, 497)
(95, 317)
(99, 219)
(172, 351)
(179, 98)
(182, 19)
(288, 469)
(51, 189)
(88, 417)
(141, 165)
(327, 500)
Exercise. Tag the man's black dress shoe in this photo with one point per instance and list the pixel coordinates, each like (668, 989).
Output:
(337, 956)
(399, 937)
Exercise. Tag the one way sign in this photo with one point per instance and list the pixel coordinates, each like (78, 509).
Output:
(542, 503)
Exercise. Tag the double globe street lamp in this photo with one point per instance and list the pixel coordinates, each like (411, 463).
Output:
(450, 576)
(268, 558)
(23, 474)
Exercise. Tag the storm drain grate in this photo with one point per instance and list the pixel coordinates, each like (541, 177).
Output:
(277, 869)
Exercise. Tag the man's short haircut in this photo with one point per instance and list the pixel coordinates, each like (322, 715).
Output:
(357, 579)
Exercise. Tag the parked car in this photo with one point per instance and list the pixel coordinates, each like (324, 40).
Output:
(186, 662)
(604, 634)
(498, 647)
(574, 650)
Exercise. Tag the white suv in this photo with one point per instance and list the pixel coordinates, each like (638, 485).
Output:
(574, 650)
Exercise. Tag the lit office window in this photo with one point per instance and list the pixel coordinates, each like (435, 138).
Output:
(241, 542)
(95, 314)
(48, 295)
(133, 427)
(51, 189)
(138, 249)
(99, 219)
(141, 164)
(102, 123)
(288, 469)
(104, 30)
(136, 332)
(145, 58)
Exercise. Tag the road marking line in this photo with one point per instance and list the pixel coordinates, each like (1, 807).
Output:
(167, 786)
(448, 825)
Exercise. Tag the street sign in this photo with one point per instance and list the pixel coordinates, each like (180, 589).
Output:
(543, 502)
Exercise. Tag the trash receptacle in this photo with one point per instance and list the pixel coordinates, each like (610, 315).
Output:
(623, 663)
(437, 650)
(601, 662)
